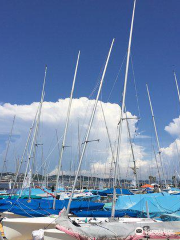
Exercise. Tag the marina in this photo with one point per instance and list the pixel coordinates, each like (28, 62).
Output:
(94, 167)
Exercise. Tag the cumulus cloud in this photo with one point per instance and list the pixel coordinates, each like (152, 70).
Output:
(98, 156)
(174, 127)
(171, 153)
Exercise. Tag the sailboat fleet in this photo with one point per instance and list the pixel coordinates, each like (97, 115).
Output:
(36, 212)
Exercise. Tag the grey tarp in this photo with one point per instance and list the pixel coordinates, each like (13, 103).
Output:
(119, 230)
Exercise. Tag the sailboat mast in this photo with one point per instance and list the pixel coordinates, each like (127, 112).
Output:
(79, 152)
(157, 165)
(25, 149)
(177, 85)
(156, 133)
(36, 127)
(90, 125)
(59, 154)
(178, 97)
(65, 131)
(132, 151)
(110, 144)
(122, 110)
(7, 149)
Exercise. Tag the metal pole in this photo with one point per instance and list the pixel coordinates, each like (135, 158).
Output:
(89, 128)
(7, 149)
(36, 127)
(122, 111)
(65, 131)
(132, 150)
(157, 138)
(177, 86)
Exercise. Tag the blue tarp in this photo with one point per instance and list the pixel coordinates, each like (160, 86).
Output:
(171, 217)
(127, 201)
(158, 204)
(33, 191)
(118, 191)
(20, 205)
(103, 214)
(98, 213)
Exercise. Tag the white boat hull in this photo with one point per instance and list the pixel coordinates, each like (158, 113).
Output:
(54, 234)
(22, 228)
(11, 215)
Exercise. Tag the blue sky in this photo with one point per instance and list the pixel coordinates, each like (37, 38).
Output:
(35, 33)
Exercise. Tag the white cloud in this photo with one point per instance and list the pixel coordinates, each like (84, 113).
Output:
(171, 153)
(54, 117)
(174, 127)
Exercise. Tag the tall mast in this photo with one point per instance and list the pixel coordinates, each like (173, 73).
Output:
(157, 165)
(79, 152)
(110, 144)
(65, 131)
(25, 150)
(122, 111)
(59, 153)
(89, 128)
(156, 133)
(7, 149)
(132, 151)
(179, 100)
(36, 127)
(177, 85)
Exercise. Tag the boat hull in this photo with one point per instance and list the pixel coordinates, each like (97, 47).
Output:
(22, 228)
(54, 234)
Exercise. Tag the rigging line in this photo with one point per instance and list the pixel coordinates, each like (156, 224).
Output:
(85, 116)
(117, 77)
(98, 81)
(177, 151)
(132, 150)
(59, 155)
(123, 108)
(96, 86)
(109, 138)
(25, 150)
(156, 134)
(45, 161)
(89, 97)
(36, 126)
(135, 87)
(7, 149)
(157, 165)
(66, 129)
(90, 125)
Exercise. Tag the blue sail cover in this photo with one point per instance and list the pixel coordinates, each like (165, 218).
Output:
(127, 201)
(118, 191)
(170, 216)
(25, 191)
(39, 207)
(98, 213)
(158, 204)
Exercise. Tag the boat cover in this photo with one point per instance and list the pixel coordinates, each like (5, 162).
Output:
(118, 191)
(118, 230)
(39, 207)
(99, 213)
(158, 204)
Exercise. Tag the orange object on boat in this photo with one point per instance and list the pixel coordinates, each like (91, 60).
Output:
(147, 186)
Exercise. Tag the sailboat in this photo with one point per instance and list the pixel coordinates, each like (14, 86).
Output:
(105, 228)
(33, 208)
(131, 228)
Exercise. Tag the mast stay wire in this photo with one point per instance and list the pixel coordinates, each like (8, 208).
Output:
(89, 97)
